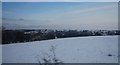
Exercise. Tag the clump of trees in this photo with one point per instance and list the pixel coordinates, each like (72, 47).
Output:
(17, 36)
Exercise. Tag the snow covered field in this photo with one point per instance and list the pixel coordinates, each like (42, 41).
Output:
(0, 54)
(69, 50)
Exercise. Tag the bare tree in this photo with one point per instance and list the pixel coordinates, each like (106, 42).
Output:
(49, 58)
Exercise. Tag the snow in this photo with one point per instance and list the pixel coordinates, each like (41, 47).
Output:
(0, 54)
(69, 50)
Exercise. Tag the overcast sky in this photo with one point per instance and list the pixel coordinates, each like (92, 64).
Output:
(0, 14)
(88, 15)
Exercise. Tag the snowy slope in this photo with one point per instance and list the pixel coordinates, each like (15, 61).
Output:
(69, 50)
(0, 54)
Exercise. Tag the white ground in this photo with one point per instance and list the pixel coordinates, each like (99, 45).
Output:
(69, 50)
(0, 54)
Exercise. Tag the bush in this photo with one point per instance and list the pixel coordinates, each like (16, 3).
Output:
(49, 59)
